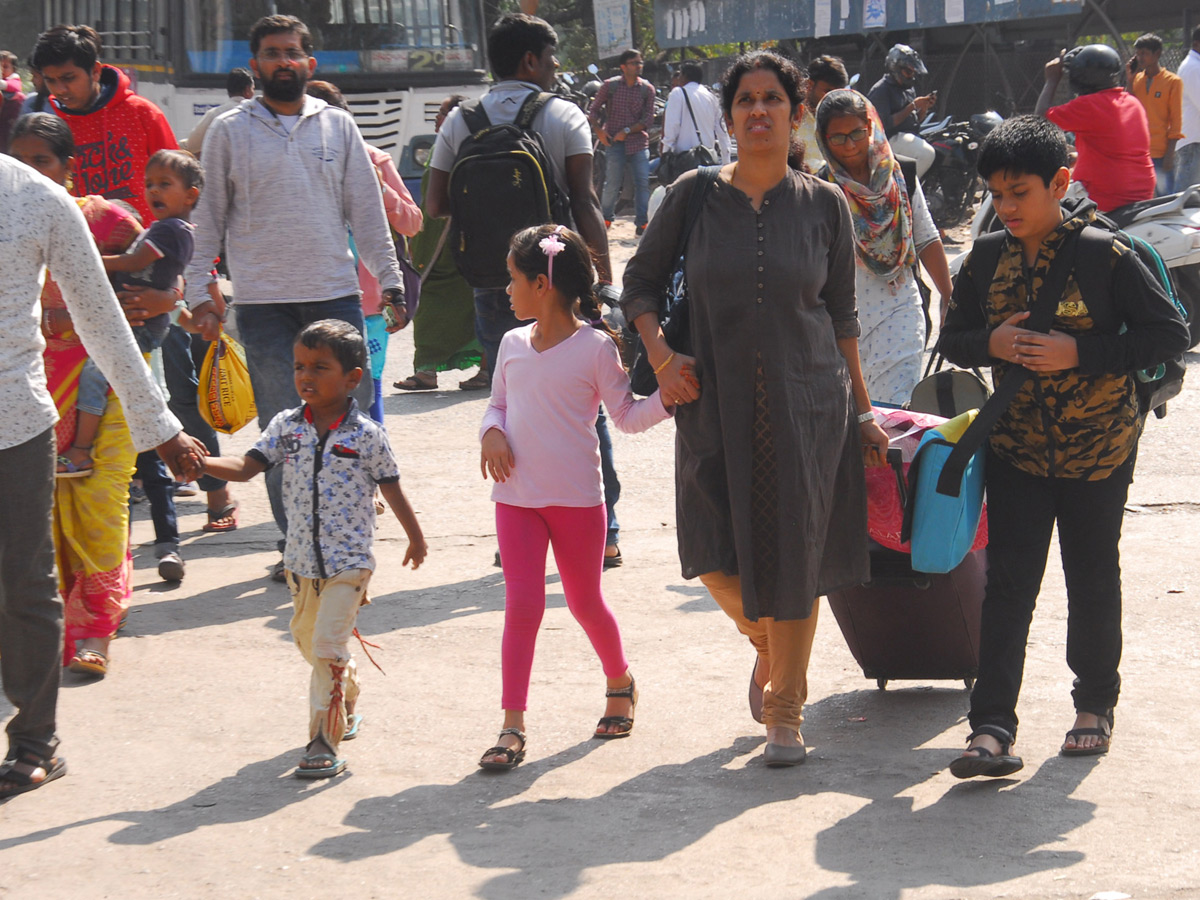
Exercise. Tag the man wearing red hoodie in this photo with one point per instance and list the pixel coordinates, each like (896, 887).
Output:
(115, 130)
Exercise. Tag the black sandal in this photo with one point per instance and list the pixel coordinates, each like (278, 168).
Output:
(513, 758)
(22, 782)
(625, 723)
(986, 763)
(1101, 748)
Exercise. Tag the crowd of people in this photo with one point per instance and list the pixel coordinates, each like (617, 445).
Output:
(801, 260)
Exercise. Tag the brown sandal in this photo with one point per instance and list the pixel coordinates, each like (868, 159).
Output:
(418, 381)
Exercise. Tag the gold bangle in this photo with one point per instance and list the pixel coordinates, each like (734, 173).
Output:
(666, 362)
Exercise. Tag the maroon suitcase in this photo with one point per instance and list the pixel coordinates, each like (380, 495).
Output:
(912, 625)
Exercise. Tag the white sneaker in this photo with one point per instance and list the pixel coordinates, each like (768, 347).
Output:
(188, 489)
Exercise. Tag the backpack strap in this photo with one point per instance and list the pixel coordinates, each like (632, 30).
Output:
(474, 115)
(1041, 315)
(1093, 268)
(985, 257)
(908, 168)
(530, 108)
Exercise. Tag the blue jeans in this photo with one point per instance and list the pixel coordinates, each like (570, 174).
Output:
(1187, 166)
(494, 319)
(268, 333)
(615, 160)
(612, 484)
(1164, 178)
(183, 355)
(160, 491)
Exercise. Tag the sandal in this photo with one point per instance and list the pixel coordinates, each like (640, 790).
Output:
(480, 381)
(1101, 732)
(614, 561)
(220, 520)
(307, 770)
(513, 758)
(67, 469)
(13, 782)
(985, 762)
(89, 662)
(353, 721)
(625, 723)
(418, 381)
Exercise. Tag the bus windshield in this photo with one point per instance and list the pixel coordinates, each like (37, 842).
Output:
(358, 37)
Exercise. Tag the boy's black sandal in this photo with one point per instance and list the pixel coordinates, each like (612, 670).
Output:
(984, 762)
(512, 757)
(1101, 732)
(623, 723)
(13, 781)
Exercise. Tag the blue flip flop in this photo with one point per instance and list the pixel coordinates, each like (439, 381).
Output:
(336, 766)
(352, 722)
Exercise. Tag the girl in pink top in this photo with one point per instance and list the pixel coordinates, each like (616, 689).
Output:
(540, 447)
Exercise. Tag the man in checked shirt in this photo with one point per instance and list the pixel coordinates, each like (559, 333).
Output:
(627, 101)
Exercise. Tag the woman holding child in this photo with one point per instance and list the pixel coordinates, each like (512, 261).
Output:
(774, 418)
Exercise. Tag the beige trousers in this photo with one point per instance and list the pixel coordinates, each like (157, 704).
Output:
(325, 610)
(785, 646)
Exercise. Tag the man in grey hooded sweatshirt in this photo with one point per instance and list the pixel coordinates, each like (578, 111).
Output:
(288, 176)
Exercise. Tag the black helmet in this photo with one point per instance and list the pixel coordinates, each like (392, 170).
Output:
(901, 57)
(985, 123)
(1095, 67)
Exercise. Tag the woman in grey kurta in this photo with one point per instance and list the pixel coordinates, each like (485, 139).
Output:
(771, 504)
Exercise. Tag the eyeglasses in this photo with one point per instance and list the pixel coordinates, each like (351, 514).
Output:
(274, 55)
(836, 140)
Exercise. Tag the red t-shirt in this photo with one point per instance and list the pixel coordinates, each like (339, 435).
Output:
(1113, 139)
(112, 143)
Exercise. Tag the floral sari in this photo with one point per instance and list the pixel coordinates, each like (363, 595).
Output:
(91, 515)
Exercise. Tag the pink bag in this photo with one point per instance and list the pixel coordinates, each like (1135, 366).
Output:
(887, 485)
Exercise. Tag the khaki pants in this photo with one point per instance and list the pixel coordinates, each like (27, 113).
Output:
(786, 647)
(322, 625)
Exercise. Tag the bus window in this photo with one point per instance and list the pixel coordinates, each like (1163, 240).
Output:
(349, 36)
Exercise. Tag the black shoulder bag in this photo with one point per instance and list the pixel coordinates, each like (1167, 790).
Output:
(674, 312)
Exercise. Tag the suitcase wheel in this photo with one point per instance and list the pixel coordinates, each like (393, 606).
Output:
(881, 683)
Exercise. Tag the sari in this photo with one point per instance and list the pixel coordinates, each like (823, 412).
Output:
(444, 326)
(91, 515)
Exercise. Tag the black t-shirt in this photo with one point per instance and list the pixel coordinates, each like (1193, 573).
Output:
(174, 243)
(889, 98)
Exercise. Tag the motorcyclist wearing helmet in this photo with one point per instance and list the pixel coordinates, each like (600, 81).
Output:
(894, 97)
(1112, 135)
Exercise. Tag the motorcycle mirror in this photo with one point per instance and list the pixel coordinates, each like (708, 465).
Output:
(568, 78)
(854, 79)
(593, 69)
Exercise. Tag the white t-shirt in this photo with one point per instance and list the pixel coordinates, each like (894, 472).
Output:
(678, 131)
(562, 125)
(1189, 71)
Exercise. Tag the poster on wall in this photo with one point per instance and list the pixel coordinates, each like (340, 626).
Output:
(614, 30)
(874, 14)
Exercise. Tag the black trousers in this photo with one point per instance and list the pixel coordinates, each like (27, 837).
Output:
(1022, 510)
(31, 613)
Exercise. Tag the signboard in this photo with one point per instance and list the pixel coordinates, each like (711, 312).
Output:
(680, 23)
(614, 30)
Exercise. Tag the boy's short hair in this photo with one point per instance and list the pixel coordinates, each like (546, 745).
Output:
(1149, 41)
(512, 37)
(830, 70)
(344, 341)
(237, 81)
(627, 55)
(62, 44)
(183, 164)
(269, 25)
(692, 71)
(1024, 145)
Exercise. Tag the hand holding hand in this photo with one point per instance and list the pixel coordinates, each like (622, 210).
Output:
(184, 456)
(496, 457)
(677, 382)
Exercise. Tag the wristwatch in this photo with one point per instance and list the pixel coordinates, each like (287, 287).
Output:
(628, 129)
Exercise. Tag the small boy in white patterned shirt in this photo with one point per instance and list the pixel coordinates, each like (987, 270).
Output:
(333, 458)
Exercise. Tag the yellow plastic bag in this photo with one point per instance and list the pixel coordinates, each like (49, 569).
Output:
(225, 395)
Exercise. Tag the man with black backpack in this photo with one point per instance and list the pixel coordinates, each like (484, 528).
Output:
(519, 156)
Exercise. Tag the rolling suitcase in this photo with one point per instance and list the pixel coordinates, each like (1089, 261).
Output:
(912, 625)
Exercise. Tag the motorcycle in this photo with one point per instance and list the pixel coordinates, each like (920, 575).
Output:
(1170, 224)
(951, 184)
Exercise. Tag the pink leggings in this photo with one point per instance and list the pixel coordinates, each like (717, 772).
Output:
(578, 536)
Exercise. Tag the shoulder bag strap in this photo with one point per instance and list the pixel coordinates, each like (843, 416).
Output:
(706, 177)
(437, 252)
(691, 113)
(1041, 314)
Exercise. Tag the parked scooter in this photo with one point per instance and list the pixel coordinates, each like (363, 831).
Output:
(951, 184)
(1170, 224)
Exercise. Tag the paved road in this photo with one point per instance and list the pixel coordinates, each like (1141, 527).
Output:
(180, 759)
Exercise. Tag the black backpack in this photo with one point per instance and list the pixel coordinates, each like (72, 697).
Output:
(501, 182)
(1092, 273)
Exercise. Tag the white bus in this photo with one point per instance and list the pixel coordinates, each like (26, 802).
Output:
(394, 60)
